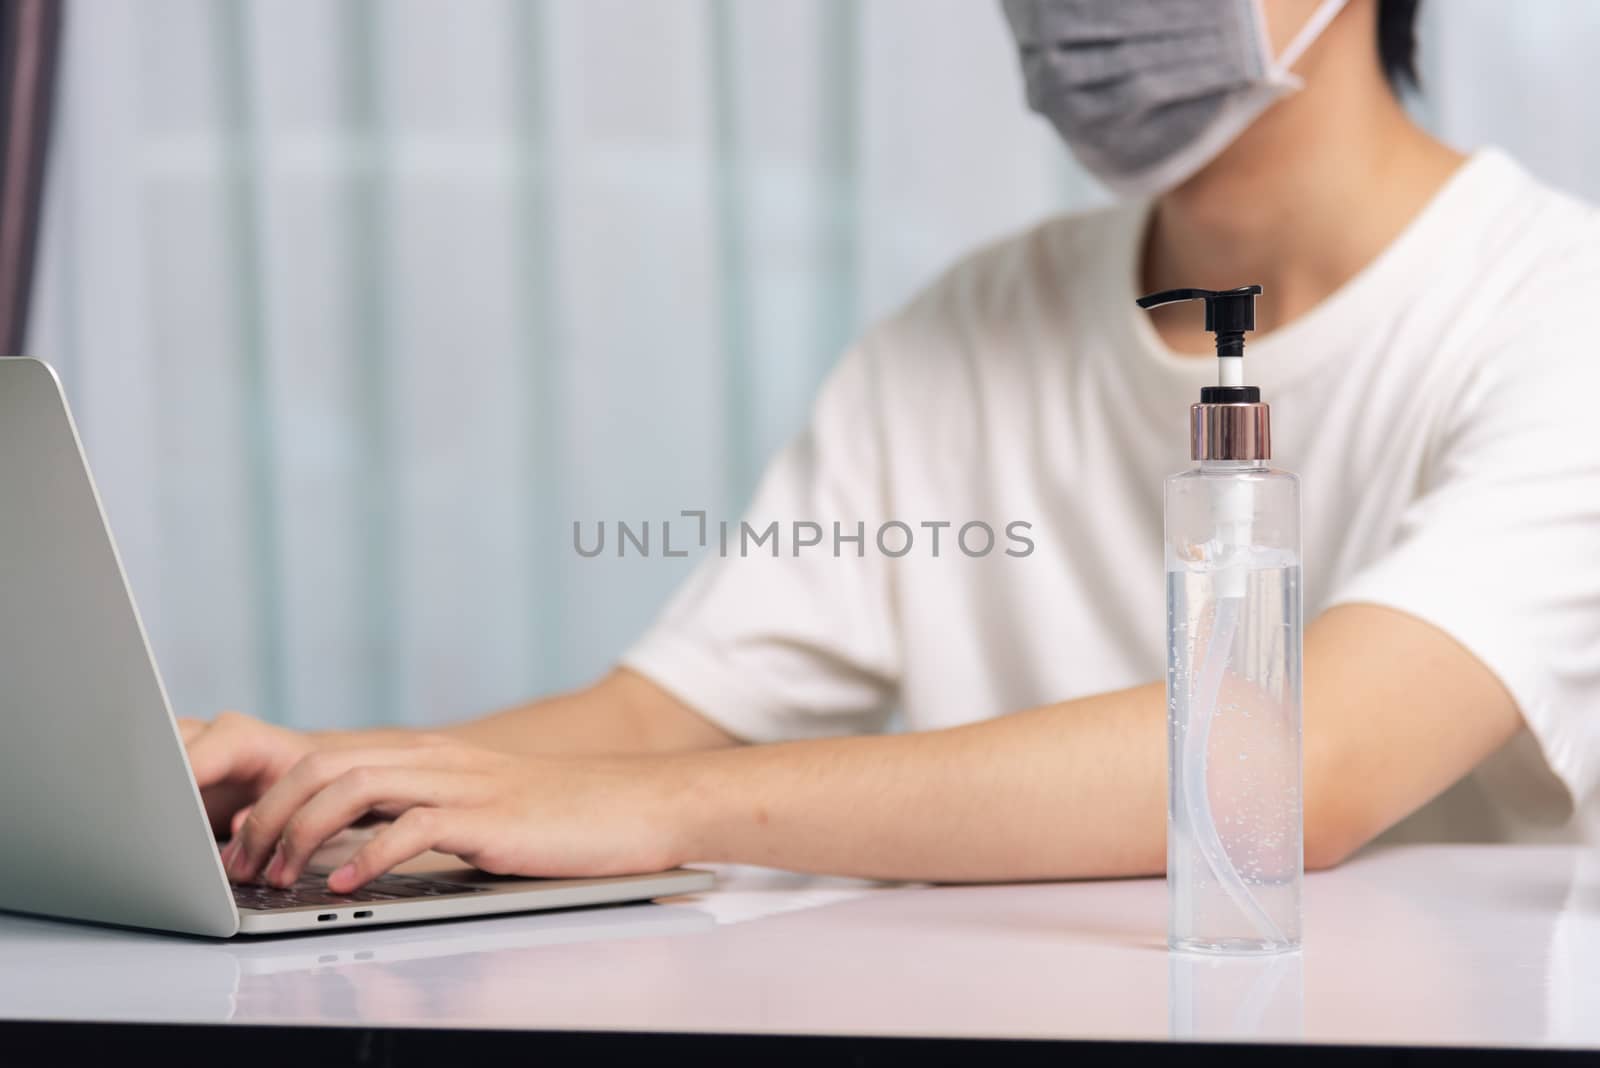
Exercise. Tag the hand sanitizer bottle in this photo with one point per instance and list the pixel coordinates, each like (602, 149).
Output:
(1235, 824)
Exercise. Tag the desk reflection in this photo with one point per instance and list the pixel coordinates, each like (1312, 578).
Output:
(55, 970)
(1258, 997)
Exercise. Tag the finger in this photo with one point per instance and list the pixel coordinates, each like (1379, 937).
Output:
(259, 834)
(231, 849)
(190, 729)
(462, 831)
(357, 792)
(222, 750)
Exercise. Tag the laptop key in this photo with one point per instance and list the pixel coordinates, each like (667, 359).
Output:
(312, 890)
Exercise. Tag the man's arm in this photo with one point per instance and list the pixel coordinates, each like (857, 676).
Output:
(622, 713)
(1395, 712)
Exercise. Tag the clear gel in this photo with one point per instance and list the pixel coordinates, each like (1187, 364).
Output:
(1234, 843)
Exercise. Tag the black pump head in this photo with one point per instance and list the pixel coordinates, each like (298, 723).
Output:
(1229, 312)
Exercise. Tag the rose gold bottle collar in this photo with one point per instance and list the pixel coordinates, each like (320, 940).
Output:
(1230, 432)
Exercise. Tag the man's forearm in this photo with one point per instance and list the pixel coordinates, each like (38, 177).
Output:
(1073, 790)
(624, 713)
(1395, 711)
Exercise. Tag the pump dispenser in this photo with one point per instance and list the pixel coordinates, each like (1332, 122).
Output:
(1230, 422)
(1235, 825)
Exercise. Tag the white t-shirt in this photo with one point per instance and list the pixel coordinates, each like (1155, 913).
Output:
(1442, 409)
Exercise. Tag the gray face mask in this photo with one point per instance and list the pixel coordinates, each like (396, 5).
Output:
(1147, 92)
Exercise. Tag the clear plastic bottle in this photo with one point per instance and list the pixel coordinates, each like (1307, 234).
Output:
(1234, 833)
(1235, 816)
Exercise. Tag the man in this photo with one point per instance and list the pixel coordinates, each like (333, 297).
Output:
(1423, 343)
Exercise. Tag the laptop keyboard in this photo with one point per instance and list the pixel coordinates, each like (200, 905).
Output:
(313, 890)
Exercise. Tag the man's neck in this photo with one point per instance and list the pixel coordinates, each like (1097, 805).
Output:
(1300, 203)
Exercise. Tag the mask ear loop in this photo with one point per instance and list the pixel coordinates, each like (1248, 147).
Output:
(1284, 63)
(1325, 13)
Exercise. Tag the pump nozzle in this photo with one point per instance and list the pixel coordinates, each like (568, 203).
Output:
(1229, 313)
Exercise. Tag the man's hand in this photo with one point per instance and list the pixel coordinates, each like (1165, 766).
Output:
(236, 759)
(509, 815)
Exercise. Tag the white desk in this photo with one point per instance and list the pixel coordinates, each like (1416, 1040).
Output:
(1439, 945)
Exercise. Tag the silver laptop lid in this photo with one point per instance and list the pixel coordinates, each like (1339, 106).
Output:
(99, 815)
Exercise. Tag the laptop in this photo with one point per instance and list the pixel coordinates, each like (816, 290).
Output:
(100, 817)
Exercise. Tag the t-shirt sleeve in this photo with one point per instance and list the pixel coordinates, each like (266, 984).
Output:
(1500, 548)
(775, 638)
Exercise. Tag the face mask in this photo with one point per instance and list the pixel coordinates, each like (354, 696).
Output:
(1146, 93)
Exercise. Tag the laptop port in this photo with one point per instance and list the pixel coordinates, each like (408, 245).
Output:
(326, 916)
(364, 914)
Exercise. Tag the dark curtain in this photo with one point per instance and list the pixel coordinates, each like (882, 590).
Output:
(30, 36)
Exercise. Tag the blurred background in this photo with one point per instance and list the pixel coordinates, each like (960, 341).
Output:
(360, 304)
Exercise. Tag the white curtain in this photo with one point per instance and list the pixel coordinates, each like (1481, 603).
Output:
(1519, 75)
(362, 304)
